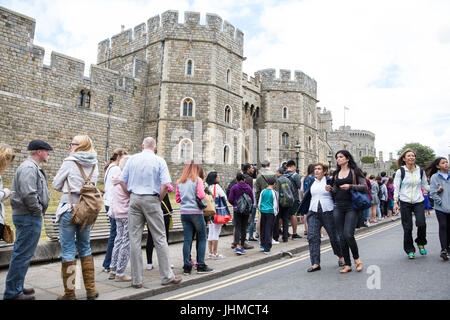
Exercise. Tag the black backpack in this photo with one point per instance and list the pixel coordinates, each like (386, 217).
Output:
(244, 204)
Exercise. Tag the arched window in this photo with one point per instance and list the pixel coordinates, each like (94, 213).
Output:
(80, 98)
(226, 155)
(189, 67)
(187, 107)
(285, 139)
(227, 114)
(88, 100)
(186, 150)
(229, 76)
(285, 113)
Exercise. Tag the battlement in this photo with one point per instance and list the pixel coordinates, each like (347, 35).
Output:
(16, 28)
(358, 133)
(252, 82)
(301, 81)
(166, 26)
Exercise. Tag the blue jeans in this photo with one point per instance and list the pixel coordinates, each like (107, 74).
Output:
(251, 228)
(367, 214)
(69, 245)
(28, 232)
(194, 223)
(112, 237)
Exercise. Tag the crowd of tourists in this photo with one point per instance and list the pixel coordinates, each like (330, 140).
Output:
(266, 205)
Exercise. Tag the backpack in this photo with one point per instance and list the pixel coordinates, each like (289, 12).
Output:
(90, 203)
(292, 184)
(244, 204)
(286, 196)
(307, 183)
(380, 192)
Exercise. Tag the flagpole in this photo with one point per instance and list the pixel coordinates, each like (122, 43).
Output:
(344, 117)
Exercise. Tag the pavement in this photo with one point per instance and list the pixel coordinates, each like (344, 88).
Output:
(45, 278)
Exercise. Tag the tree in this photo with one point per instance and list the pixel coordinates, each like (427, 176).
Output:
(424, 154)
(368, 159)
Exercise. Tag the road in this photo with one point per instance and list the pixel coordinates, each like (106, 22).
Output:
(388, 274)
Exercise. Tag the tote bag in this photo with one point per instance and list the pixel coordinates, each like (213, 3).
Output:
(222, 215)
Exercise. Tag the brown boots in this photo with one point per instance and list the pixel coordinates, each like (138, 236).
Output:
(68, 271)
(87, 265)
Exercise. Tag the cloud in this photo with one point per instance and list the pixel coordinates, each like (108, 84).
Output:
(386, 60)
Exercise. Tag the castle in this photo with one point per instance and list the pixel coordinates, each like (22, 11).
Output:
(181, 83)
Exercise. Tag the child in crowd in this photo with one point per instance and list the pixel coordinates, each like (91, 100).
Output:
(268, 206)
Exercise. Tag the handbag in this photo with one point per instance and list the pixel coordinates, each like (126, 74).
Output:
(222, 215)
(360, 200)
(8, 234)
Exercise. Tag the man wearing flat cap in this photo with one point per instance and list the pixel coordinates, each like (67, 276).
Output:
(29, 202)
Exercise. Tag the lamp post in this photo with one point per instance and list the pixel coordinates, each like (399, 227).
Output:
(297, 151)
(329, 157)
(108, 126)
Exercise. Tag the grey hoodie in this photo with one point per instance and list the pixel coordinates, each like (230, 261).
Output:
(31, 190)
(69, 172)
(441, 200)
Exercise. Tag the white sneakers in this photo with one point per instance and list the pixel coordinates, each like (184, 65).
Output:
(149, 266)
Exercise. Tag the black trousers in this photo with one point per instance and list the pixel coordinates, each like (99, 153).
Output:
(149, 247)
(444, 229)
(240, 222)
(267, 222)
(317, 220)
(285, 217)
(406, 210)
(346, 219)
(383, 208)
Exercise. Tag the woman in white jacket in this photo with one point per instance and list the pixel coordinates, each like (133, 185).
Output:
(408, 192)
(6, 157)
(71, 237)
(216, 190)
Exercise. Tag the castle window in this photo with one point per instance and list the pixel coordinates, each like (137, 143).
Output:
(229, 76)
(310, 143)
(285, 113)
(80, 98)
(187, 107)
(226, 155)
(186, 150)
(227, 114)
(285, 139)
(88, 100)
(189, 67)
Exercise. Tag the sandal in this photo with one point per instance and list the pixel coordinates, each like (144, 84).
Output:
(346, 269)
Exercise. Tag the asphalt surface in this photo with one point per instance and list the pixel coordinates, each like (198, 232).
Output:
(388, 274)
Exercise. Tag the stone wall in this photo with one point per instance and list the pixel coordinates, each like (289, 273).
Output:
(40, 101)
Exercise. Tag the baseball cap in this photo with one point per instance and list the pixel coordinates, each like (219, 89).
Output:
(39, 145)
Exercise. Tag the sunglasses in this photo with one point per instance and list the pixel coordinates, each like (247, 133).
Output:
(73, 144)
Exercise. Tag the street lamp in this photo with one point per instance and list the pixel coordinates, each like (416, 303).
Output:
(108, 126)
(297, 151)
(329, 157)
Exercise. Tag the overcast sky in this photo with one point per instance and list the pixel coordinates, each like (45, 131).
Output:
(388, 61)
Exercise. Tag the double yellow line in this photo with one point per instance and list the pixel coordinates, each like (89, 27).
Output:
(243, 277)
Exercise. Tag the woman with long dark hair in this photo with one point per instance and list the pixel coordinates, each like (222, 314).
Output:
(440, 193)
(347, 177)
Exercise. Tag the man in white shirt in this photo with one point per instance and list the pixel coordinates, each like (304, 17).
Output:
(146, 177)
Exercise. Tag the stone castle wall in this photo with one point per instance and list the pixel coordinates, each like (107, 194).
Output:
(40, 101)
(144, 70)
